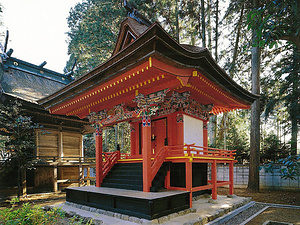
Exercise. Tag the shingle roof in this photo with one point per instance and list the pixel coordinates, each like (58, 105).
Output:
(27, 81)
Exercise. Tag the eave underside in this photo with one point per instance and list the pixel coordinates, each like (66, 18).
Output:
(149, 77)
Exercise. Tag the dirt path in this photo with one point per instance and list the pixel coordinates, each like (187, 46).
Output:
(267, 196)
(41, 199)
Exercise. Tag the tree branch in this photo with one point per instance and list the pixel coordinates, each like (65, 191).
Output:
(294, 39)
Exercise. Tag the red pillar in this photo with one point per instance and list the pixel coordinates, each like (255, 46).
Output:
(146, 151)
(214, 179)
(231, 178)
(99, 172)
(189, 180)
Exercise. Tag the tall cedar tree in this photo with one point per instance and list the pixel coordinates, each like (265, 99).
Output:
(280, 20)
(253, 182)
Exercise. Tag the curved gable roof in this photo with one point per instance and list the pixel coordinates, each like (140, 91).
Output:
(156, 43)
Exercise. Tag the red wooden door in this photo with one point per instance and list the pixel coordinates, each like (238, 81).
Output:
(158, 134)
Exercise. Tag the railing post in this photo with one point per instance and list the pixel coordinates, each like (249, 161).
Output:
(80, 175)
(54, 179)
(88, 172)
(118, 154)
(188, 149)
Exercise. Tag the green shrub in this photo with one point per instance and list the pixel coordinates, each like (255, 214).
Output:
(29, 214)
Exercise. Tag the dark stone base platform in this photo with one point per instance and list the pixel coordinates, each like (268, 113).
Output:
(147, 205)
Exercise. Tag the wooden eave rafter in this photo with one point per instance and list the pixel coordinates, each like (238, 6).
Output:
(196, 69)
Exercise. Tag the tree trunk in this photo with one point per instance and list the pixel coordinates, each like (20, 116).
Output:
(19, 181)
(209, 25)
(213, 119)
(294, 108)
(203, 23)
(225, 115)
(253, 182)
(177, 21)
(217, 32)
(237, 40)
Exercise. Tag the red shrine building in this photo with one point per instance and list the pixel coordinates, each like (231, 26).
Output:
(166, 91)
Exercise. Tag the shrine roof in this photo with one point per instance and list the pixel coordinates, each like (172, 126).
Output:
(27, 81)
(153, 51)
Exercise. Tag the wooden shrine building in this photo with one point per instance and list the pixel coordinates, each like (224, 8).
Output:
(166, 91)
(58, 154)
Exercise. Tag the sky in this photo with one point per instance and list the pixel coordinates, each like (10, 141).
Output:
(37, 30)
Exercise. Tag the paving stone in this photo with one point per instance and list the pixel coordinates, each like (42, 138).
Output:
(92, 209)
(144, 221)
(181, 213)
(163, 219)
(173, 215)
(77, 206)
(193, 210)
(125, 217)
(155, 221)
(221, 212)
(227, 210)
(231, 196)
(87, 208)
(100, 211)
(209, 217)
(192, 222)
(109, 213)
(213, 201)
(71, 214)
(97, 222)
(203, 220)
(118, 215)
(134, 219)
(187, 211)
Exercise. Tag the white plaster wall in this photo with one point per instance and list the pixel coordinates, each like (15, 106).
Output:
(192, 131)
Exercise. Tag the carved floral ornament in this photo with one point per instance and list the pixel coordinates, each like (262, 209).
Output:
(152, 104)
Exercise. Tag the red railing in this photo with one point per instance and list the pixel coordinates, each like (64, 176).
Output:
(200, 151)
(158, 161)
(109, 160)
(187, 150)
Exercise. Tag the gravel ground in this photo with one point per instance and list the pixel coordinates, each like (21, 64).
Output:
(242, 216)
